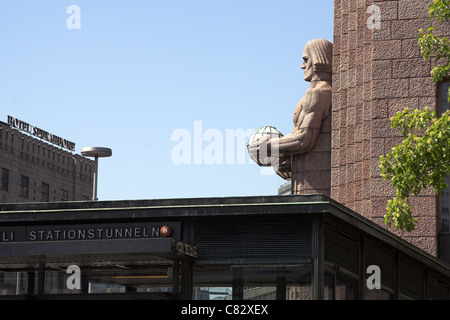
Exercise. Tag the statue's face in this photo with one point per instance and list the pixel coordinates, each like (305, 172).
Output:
(307, 66)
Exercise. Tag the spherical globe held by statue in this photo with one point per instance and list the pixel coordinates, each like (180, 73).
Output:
(266, 155)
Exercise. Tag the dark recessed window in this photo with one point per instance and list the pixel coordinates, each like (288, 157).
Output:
(64, 195)
(5, 179)
(45, 192)
(443, 106)
(24, 186)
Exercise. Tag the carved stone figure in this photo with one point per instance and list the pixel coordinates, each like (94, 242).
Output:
(309, 113)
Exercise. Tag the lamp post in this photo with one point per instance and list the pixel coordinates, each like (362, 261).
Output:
(96, 152)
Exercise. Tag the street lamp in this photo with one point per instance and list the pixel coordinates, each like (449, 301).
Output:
(96, 152)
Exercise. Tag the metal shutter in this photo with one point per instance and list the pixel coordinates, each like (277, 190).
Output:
(376, 254)
(342, 248)
(253, 239)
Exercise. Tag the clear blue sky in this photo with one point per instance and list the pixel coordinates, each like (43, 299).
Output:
(139, 70)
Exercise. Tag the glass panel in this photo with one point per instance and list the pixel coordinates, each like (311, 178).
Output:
(157, 279)
(300, 291)
(258, 282)
(64, 195)
(24, 184)
(213, 282)
(13, 283)
(438, 290)
(377, 294)
(277, 282)
(346, 287)
(151, 278)
(328, 286)
(55, 283)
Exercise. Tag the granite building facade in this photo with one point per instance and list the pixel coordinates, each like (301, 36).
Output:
(377, 72)
(36, 171)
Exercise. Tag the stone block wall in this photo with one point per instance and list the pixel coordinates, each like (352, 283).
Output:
(377, 72)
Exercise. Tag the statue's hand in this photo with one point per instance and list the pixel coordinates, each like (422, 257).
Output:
(262, 145)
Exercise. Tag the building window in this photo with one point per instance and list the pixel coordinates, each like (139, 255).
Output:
(5, 179)
(45, 192)
(443, 106)
(445, 207)
(253, 282)
(443, 96)
(340, 285)
(64, 195)
(24, 186)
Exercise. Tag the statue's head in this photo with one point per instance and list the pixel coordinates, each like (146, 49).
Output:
(317, 58)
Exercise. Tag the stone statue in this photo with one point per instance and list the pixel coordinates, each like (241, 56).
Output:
(310, 112)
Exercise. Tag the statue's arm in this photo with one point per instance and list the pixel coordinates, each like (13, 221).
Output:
(314, 108)
(308, 117)
(299, 142)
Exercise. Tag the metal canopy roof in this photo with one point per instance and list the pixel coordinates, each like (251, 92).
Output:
(199, 208)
